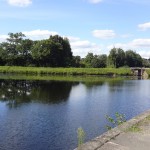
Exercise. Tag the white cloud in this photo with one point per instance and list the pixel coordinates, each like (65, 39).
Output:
(39, 34)
(141, 43)
(19, 3)
(3, 38)
(82, 47)
(136, 43)
(73, 39)
(126, 35)
(82, 44)
(119, 45)
(144, 53)
(104, 34)
(95, 1)
(144, 26)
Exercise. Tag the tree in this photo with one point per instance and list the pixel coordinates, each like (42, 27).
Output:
(120, 58)
(60, 51)
(88, 59)
(10, 48)
(41, 52)
(24, 49)
(133, 59)
(113, 56)
(67, 53)
(76, 61)
(102, 61)
(3, 55)
(117, 57)
(54, 52)
(99, 61)
(15, 38)
(95, 61)
(146, 63)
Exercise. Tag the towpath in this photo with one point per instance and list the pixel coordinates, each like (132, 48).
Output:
(132, 135)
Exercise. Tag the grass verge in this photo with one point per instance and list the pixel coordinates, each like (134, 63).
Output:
(134, 128)
(148, 72)
(65, 71)
(138, 127)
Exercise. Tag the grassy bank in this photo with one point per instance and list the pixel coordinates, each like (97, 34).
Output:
(65, 71)
(83, 78)
(148, 72)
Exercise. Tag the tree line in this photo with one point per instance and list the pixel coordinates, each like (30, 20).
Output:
(56, 51)
(117, 58)
(19, 51)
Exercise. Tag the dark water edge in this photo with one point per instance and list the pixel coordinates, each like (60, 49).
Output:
(45, 114)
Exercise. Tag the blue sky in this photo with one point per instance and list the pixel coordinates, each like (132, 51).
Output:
(91, 25)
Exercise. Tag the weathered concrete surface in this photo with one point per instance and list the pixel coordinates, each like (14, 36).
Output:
(121, 139)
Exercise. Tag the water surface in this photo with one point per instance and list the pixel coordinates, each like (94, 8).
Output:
(45, 115)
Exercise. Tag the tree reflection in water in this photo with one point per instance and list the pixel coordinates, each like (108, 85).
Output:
(17, 92)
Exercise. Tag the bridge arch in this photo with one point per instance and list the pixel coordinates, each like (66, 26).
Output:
(138, 71)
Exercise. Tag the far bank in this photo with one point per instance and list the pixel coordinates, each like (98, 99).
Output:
(68, 71)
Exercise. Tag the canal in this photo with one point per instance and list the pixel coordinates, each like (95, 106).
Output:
(45, 114)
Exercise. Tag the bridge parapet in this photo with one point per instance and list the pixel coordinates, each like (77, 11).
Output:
(138, 71)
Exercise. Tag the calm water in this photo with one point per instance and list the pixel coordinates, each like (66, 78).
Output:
(45, 115)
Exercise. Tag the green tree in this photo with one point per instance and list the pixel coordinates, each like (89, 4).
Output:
(113, 56)
(102, 61)
(88, 59)
(3, 55)
(117, 57)
(133, 59)
(61, 55)
(41, 52)
(67, 53)
(95, 61)
(99, 61)
(24, 50)
(54, 52)
(146, 63)
(10, 48)
(76, 61)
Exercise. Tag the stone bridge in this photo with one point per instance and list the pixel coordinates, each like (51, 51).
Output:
(138, 71)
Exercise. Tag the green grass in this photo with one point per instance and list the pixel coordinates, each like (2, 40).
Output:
(134, 128)
(65, 71)
(147, 118)
(148, 72)
(137, 127)
(84, 78)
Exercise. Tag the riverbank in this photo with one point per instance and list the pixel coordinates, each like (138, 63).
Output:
(81, 78)
(131, 135)
(148, 71)
(66, 71)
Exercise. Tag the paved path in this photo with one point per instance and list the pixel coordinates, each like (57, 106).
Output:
(124, 137)
(131, 140)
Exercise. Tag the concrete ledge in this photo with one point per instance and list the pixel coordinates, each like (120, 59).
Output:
(99, 141)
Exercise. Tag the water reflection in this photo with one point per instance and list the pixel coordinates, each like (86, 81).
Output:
(116, 86)
(48, 113)
(90, 85)
(16, 92)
